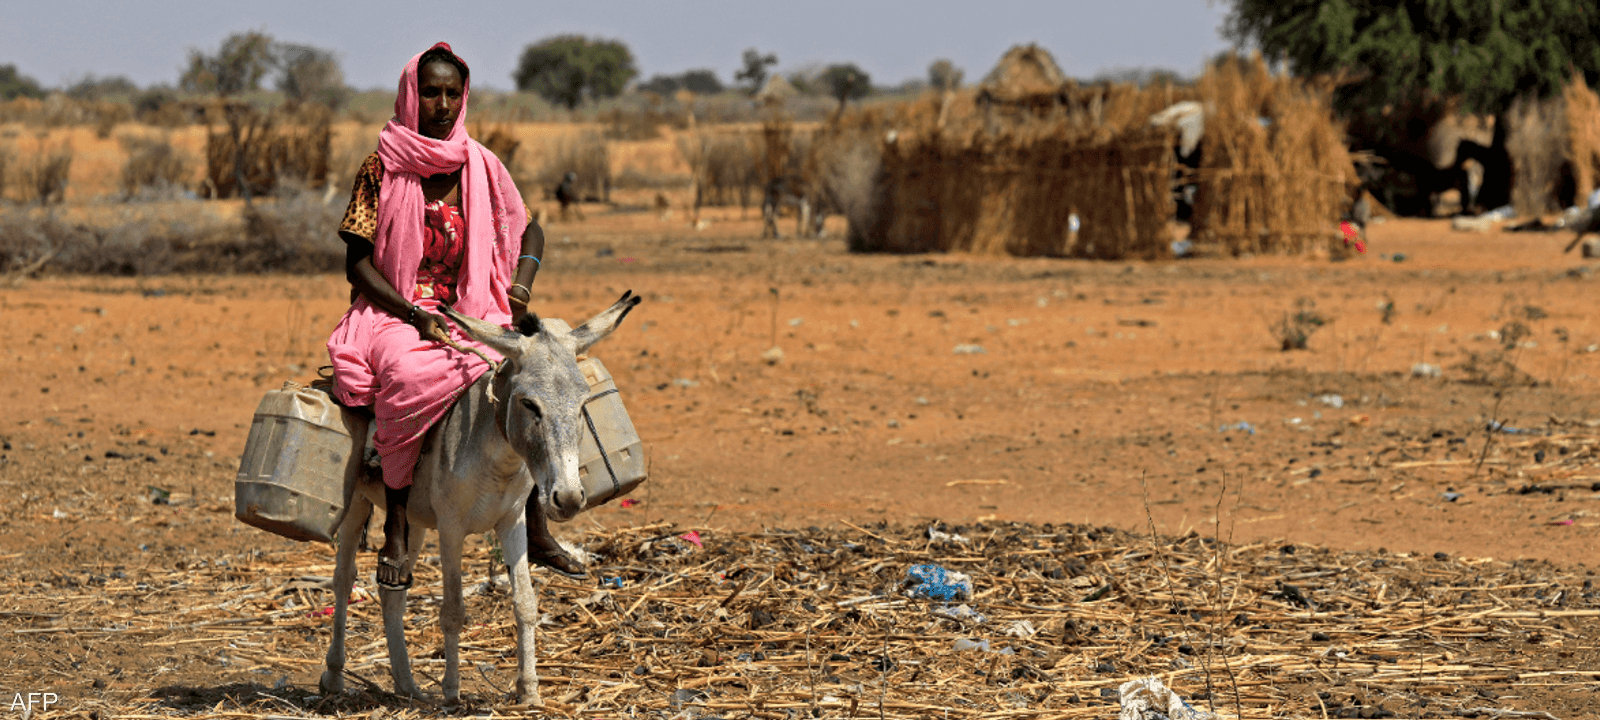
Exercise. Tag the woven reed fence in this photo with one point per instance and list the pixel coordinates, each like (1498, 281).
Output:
(995, 196)
(1276, 174)
(1583, 135)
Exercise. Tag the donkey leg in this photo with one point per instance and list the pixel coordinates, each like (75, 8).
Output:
(344, 575)
(394, 620)
(513, 533)
(453, 614)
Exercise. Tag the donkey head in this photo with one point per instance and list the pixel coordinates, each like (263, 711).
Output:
(539, 395)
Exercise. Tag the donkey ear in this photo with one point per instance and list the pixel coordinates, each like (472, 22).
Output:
(506, 342)
(599, 326)
(528, 325)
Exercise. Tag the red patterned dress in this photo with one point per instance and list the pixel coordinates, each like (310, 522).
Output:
(444, 244)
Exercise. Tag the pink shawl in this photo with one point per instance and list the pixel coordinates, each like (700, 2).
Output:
(495, 221)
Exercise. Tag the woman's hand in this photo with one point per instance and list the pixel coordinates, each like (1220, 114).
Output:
(430, 326)
(517, 298)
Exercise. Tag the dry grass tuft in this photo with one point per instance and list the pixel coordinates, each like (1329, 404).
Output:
(727, 166)
(285, 145)
(292, 231)
(154, 168)
(45, 180)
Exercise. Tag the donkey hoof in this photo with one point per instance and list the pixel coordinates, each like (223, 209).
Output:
(332, 683)
(528, 697)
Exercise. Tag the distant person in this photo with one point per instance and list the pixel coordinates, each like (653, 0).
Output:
(434, 219)
(567, 195)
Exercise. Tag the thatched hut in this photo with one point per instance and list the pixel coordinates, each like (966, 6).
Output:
(1026, 163)
(776, 91)
(1027, 78)
(1275, 175)
(1031, 163)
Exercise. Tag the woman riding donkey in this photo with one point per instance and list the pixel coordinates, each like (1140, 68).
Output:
(434, 219)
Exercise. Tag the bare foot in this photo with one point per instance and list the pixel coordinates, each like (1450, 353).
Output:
(545, 551)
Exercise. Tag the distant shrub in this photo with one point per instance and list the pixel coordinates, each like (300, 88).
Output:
(727, 167)
(160, 106)
(46, 180)
(154, 167)
(585, 154)
(8, 158)
(1296, 327)
(292, 231)
(295, 231)
(640, 124)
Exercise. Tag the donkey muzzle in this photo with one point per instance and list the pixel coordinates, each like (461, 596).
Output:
(565, 504)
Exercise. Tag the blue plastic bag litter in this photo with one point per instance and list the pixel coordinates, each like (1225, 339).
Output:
(1497, 426)
(1241, 426)
(936, 583)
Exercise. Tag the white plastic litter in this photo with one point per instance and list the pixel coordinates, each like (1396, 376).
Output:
(1022, 629)
(1426, 370)
(1146, 699)
(960, 613)
(940, 536)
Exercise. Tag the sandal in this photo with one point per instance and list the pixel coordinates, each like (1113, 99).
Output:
(559, 561)
(396, 566)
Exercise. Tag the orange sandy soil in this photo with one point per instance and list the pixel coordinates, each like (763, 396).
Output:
(1097, 397)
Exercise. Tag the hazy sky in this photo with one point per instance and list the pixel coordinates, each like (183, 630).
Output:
(61, 40)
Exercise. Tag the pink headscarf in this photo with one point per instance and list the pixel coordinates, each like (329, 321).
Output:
(494, 214)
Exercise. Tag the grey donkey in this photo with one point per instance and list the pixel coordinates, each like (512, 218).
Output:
(513, 432)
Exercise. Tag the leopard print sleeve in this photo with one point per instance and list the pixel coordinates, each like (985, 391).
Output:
(361, 218)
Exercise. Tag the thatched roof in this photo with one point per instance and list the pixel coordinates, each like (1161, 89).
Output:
(1025, 71)
(776, 90)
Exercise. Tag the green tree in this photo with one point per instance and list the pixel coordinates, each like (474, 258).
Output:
(663, 85)
(237, 66)
(753, 76)
(846, 82)
(944, 75)
(700, 82)
(568, 68)
(101, 88)
(311, 74)
(14, 84)
(1484, 53)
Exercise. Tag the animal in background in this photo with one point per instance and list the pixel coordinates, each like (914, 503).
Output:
(1587, 223)
(567, 195)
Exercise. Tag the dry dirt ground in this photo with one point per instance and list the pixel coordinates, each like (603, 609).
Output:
(1047, 409)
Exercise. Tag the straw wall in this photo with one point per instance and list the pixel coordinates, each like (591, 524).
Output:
(1583, 135)
(1276, 174)
(997, 196)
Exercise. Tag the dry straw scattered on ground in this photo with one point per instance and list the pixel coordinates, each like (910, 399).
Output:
(791, 623)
